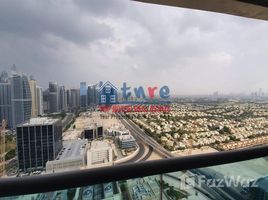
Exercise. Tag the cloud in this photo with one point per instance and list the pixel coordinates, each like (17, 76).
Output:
(221, 58)
(194, 52)
(36, 19)
(102, 8)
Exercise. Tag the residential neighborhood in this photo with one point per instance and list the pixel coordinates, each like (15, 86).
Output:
(221, 126)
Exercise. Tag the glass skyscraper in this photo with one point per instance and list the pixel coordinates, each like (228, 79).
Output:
(5, 99)
(83, 94)
(74, 98)
(53, 99)
(92, 95)
(21, 98)
(38, 141)
(62, 99)
(40, 103)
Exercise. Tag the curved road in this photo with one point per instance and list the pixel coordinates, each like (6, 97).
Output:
(138, 133)
(148, 154)
(140, 156)
(137, 157)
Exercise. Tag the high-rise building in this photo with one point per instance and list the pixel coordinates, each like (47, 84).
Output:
(74, 99)
(53, 99)
(21, 99)
(38, 141)
(39, 95)
(33, 89)
(68, 98)
(46, 101)
(92, 95)
(5, 99)
(83, 94)
(94, 131)
(62, 99)
(4, 77)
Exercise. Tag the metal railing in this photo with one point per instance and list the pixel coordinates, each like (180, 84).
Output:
(87, 177)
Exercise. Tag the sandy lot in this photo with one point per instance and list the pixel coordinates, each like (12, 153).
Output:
(187, 152)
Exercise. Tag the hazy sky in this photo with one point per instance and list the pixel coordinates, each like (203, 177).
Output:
(193, 52)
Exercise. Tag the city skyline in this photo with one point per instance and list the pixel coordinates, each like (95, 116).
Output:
(193, 52)
(116, 99)
(257, 92)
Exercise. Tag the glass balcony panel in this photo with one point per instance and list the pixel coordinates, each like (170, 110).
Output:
(241, 180)
(131, 189)
(246, 180)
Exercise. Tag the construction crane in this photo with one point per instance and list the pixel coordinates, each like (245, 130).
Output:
(2, 148)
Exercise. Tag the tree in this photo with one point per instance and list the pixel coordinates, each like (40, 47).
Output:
(226, 129)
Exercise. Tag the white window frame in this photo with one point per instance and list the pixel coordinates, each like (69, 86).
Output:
(103, 98)
(112, 98)
(108, 89)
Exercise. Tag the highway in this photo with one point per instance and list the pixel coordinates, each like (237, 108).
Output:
(140, 135)
(137, 157)
(148, 154)
(137, 132)
(140, 141)
(67, 119)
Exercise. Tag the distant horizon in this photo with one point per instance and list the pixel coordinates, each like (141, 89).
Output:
(193, 52)
(249, 93)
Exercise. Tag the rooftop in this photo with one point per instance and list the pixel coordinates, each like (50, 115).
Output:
(71, 149)
(99, 144)
(126, 138)
(39, 121)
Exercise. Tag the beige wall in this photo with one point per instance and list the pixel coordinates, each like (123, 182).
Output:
(34, 97)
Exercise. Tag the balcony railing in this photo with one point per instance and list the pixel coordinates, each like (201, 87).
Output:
(157, 170)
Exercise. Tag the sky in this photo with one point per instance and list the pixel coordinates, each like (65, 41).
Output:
(192, 52)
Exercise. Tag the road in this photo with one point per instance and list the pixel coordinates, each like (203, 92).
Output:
(137, 132)
(137, 157)
(220, 193)
(67, 119)
(141, 155)
(148, 154)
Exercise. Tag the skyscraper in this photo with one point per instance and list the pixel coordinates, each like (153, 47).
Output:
(38, 141)
(83, 94)
(39, 95)
(5, 99)
(46, 101)
(33, 89)
(21, 98)
(92, 95)
(68, 98)
(62, 99)
(74, 99)
(53, 99)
